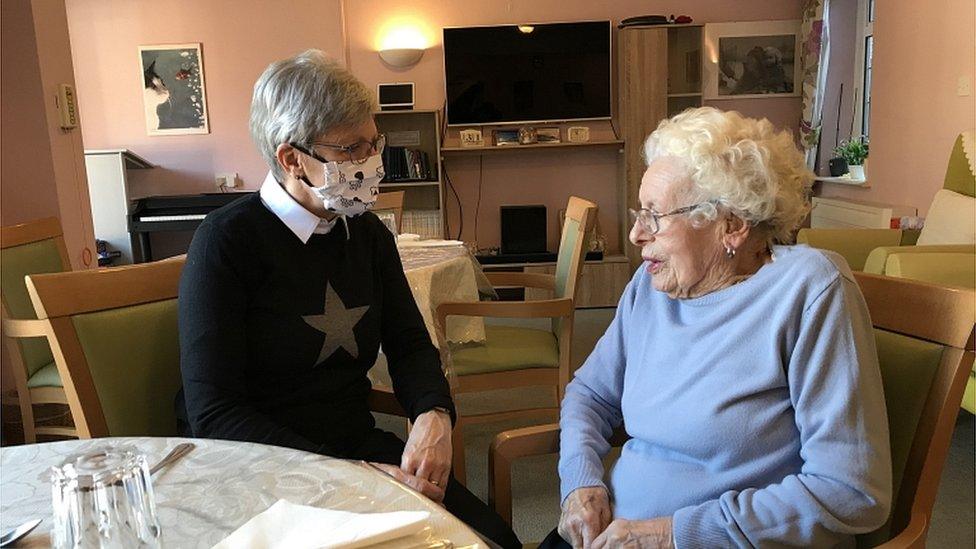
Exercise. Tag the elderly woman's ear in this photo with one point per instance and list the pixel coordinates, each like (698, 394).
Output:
(736, 233)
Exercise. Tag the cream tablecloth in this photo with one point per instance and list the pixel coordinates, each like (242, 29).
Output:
(219, 486)
(441, 274)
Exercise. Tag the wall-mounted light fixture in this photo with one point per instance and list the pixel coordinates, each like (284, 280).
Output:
(402, 42)
(401, 57)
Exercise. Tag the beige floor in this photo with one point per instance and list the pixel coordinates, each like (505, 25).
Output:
(536, 483)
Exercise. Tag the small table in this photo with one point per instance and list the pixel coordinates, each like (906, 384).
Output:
(442, 274)
(221, 485)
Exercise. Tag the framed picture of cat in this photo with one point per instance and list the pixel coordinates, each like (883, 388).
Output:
(173, 91)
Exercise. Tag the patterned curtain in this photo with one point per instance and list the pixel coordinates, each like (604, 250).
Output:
(815, 50)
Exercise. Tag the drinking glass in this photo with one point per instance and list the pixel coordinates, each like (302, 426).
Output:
(104, 499)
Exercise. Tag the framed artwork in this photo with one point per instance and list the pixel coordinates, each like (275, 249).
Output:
(173, 91)
(754, 59)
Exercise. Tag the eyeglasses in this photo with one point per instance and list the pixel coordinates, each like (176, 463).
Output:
(357, 153)
(651, 221)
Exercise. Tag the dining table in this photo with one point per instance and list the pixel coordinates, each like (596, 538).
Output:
(220, 485)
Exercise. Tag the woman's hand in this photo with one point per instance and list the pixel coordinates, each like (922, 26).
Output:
(428, 451)
(586, 513)
(432, 491)
(637, 534)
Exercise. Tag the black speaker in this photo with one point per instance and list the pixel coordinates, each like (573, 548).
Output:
(523, 229)
(395, 96)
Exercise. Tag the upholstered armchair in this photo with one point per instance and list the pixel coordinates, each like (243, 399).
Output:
(944, 251)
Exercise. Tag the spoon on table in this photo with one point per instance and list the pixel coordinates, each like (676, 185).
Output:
(176, 453)
(18, 532)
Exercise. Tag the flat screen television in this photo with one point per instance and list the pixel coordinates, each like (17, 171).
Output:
(527, 73)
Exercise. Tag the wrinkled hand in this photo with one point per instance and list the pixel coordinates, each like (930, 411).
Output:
(432, 491)
(586, 513)
(637, 534)
(428, 452)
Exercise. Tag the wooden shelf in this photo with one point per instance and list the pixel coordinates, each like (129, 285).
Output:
(409, 184)
(691, 94)
(844, 181)
(478, 150)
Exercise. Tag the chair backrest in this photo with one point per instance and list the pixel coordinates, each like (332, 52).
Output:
(392, 202)
(29, 248)
(924, 336)
(580, 217)
(960, 176)
(116, 344)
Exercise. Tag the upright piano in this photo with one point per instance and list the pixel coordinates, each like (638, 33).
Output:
(174, 213)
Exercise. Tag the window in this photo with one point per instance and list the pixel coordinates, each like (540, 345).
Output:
(865, 58)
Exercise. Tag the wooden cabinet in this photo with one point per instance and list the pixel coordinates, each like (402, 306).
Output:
(659, 75)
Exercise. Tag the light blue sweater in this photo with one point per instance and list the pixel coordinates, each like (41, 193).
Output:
(756, 413)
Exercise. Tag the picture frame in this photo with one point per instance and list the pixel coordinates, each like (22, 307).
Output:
(506, 137)
(174, 89)
(758, 59)
(547, 135)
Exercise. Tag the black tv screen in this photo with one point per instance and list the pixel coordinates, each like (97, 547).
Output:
(527, 73)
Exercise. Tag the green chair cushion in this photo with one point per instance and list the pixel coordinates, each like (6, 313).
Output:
(908, 367)
(134, 357)
(17, 262)
(45, 377)
(854, 244)
(507, 348)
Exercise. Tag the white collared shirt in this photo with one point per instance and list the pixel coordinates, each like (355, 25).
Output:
(299, 220)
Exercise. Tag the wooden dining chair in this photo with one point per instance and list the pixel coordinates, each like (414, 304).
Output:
(512, 356)
(392, 202)
(31, 248)
(115, 342)
(925, 339)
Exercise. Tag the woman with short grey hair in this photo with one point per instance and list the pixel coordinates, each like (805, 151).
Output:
(287, 295)
(744, 370)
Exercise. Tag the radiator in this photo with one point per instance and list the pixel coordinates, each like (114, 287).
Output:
(836, 213)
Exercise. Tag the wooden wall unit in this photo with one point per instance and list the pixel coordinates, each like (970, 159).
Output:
(652, 85)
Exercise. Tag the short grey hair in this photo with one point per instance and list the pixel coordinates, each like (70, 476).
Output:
(302, 97)
(742, 164)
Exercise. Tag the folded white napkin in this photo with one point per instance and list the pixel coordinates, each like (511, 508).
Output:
(286, 524)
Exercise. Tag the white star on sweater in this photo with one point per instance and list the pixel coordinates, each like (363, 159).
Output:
(336, 322)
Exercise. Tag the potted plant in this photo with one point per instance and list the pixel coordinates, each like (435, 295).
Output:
(854, 152)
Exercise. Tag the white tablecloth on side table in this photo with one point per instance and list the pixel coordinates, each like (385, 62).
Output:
(219, 486)
(442, 274)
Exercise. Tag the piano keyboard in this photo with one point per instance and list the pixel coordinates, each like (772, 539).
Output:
(161, 218)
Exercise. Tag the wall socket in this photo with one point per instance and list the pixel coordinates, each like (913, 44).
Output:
(963, 86)
(226, 180)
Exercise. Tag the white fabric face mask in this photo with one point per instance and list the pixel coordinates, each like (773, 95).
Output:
(348, 188)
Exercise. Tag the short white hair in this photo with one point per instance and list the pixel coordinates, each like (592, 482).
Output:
(302, 97)
(739, 163)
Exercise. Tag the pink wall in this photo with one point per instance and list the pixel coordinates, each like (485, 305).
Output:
(921, 49)
(105, 34)
(239, 40)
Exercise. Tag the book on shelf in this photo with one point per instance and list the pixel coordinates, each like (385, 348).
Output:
(404, 164)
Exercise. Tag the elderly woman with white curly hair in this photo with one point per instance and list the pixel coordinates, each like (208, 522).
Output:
(745, 372)
(287, 295)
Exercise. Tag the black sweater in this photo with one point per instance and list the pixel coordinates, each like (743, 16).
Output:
(256, 311)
